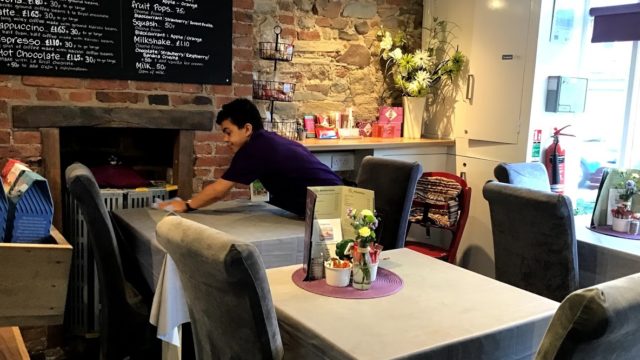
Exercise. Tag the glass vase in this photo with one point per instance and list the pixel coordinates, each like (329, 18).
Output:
(362, 268)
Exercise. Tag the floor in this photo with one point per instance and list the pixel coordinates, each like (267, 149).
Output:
(74, 348)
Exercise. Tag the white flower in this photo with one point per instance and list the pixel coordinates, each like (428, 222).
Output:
(414, 88)
(423, 78)
(396, 54)
(387, 41)
(414, 72)
(422, 58)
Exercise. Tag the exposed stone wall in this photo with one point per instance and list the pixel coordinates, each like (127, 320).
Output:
(335, 63)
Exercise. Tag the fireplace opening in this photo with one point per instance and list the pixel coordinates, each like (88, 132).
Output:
(149, 152)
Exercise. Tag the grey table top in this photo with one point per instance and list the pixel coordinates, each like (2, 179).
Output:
(442, 312)
(602, 257)
(277, 234)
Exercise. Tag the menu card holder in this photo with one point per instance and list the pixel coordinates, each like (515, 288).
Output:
(331, 202)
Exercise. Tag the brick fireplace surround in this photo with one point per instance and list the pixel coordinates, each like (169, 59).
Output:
(50, 119)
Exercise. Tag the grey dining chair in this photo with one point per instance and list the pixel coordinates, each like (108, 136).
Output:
(227, 291)
(534, 239)
(394, 183)
(124, 328)
(532, 175)
(600, 322)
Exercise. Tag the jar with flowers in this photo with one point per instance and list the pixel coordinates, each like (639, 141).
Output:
(627, 187)
(415, 73)
(364, 251)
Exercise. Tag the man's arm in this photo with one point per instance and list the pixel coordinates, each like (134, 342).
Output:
(210, 194)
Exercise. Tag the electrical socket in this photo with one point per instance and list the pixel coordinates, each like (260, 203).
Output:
(342, 162)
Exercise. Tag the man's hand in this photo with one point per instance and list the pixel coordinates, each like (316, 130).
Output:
(176, 205)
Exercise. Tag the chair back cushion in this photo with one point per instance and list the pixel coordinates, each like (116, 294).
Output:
(394, 184)
(227, 291)
(531, 175)
(534, 239)
(600, 322)
(440, 197)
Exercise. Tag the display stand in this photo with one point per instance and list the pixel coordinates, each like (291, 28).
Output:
(273, 91)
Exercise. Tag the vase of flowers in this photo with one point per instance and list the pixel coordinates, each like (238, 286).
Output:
(364, 223)
(627, 188)
(414, 73)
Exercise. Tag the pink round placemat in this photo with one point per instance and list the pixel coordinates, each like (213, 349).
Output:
(607, 230)
(387, 283)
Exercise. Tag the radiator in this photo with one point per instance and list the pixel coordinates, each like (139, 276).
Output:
(82, 314)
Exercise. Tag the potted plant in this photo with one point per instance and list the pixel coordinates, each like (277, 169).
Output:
(414, 73)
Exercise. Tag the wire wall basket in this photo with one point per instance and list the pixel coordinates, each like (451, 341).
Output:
(275, 51)
(273, 90)
(284, 128)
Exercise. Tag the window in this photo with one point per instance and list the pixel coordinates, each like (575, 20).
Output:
(609, 130)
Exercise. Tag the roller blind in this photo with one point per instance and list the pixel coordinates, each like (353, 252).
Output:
(616, 23)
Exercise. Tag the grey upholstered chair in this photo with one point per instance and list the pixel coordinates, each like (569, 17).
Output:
(533, 239)
(226, 287)
(531, 175)
(124, 328)
(394, 184)
(600, 322)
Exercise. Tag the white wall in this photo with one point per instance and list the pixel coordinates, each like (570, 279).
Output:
(478, 158)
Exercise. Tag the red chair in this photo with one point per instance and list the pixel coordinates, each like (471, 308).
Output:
(456, 230)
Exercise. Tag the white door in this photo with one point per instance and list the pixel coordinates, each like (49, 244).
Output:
(498, 32)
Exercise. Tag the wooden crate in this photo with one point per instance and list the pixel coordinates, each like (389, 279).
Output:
(34, 281)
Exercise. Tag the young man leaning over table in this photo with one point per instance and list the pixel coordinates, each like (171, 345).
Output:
(285, 167)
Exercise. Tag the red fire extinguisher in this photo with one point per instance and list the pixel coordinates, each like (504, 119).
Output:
(554, 161)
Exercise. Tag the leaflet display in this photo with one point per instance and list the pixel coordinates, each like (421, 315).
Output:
(185, 41)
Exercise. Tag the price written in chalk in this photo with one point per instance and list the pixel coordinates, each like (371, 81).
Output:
(128, 39)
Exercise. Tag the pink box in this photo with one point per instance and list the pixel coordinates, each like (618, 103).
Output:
(385, 131)
(391, 115)
(366, 128)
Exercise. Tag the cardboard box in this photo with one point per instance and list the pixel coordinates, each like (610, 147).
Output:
(366, 128)
(386, 131)
(34, 286)
(391, 116)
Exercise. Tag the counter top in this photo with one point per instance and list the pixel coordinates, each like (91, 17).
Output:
(371, 143)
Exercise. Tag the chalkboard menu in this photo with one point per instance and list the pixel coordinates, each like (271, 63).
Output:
(156, 40)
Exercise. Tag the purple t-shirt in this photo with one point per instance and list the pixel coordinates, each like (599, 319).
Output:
(284, 167)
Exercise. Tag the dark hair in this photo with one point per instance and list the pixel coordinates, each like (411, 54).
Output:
(240, 112)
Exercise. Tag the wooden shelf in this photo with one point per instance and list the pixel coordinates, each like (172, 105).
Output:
(371, 143)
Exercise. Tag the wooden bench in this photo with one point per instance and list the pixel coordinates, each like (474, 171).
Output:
(12, 345)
